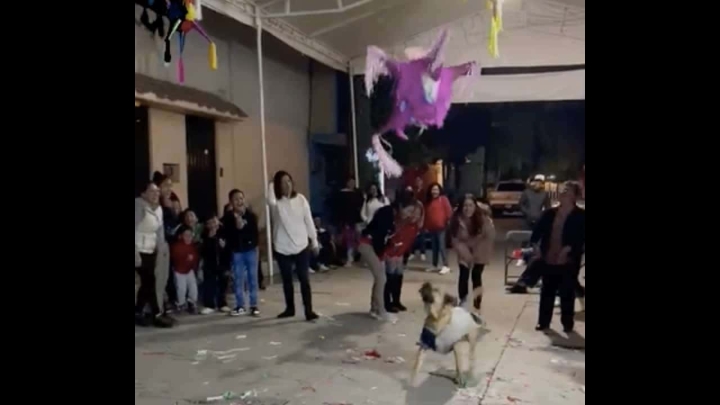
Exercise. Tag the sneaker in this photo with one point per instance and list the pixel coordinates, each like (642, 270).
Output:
(411, 257)
(254, 311)
(423, 257)
(568, 330)
(400, 307)
(375, 315)
(192, 309)
(238, 311)
(542, 328)
(557, 301)
(207, 311)
(311, 316)
(311, 271)
(286, 314)
(444, 270)
(225, 309)
(142, 320)
(518, 289)
(347, 264)
(520, 263)
(324, 268)
(388, 317)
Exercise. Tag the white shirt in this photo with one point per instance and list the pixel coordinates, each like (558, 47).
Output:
(146, 231)
(293, 224)
(370, 207)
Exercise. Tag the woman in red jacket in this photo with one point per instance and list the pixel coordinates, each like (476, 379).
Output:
(437, 216)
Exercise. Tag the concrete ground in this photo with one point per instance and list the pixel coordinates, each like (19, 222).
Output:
(266, 361)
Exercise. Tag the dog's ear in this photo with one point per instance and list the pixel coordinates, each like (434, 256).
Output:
(450, 300)
(426, 293)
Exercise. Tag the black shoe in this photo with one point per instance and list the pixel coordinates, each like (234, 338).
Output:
(541, 328)
(400, 307)
(392, 309)
(192, 309)
(254, 311)
(286, 314)
(142, 320)
(518, 289)
(262, 287)
(163, 321)
(311, 316)
(568, 330)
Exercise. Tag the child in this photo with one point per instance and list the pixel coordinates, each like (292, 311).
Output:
(399, 245)
(214, 280)
(327, 254)
(190, 220)
(185, 261)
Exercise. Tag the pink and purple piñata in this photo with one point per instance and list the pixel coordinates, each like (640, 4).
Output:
(421, 96)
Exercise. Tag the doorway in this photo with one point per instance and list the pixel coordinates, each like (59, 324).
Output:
(201, 166)
(142, 150)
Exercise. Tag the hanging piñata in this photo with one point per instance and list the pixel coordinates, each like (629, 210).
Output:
(183, 16)
(421, 95)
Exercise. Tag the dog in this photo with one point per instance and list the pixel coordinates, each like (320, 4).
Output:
(447, 328)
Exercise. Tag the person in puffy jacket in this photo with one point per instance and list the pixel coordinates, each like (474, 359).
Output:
(437, 216)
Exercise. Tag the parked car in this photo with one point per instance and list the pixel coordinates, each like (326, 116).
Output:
(505, 198)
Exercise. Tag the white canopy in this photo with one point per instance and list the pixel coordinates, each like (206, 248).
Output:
(337, 32)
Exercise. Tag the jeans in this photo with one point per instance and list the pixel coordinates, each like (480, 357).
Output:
(187, 288)
(437, 241)
(244, 267)
(214, 286)
(419, 243)
(377, 268)
(394, 266)
(465, 275)
(557, 280)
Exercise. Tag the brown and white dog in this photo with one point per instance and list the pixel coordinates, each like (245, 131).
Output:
(447, 328)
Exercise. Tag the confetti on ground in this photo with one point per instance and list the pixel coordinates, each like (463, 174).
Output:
(240, 337)
(396, 359)
(342, 304)
(275, 343)
(270, 357)
(372, 354)
(309, 389)
(401, 335)
(513, 399)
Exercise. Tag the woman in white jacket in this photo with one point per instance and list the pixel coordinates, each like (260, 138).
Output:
(374, 200)
(294, 240)
(151, 253)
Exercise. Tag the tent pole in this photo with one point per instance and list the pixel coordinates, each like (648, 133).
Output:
(354, 123)
(268, 232)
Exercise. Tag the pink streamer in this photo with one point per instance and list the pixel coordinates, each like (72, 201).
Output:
(181, 70)
(388, 164)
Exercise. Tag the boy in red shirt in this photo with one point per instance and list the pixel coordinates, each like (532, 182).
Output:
(185, 260)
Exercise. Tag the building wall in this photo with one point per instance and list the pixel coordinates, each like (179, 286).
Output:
(167, 145)
(287, 91)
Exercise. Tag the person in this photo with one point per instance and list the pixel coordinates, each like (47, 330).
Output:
(240, 227)
(472, 233)
(420, 195)
(214, 279)
(226, 257)
(294, 240)
(437, 216)
(185, 261)
(374, 242)
(395, 253)
(328, 253)
(190, 220)
(346, 211)
(171, 208)
(560, 233)
(533, 202)
(374, 200)
(151, 257)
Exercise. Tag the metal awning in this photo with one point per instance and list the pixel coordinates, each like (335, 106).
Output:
(186, 99)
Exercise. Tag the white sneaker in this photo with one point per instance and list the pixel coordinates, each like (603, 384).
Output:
(411, 257)
(520, 263)
(324, 267)
(226, 309)
(311, 271)
(388, 317)
(444, 270)
(422, 257)
(557, 301)
(375, 315)
(207, 311)
(238, 312)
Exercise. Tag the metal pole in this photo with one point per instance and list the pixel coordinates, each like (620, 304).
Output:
(268, 232)
(354, 123)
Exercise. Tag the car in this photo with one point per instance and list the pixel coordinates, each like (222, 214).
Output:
(506, 197)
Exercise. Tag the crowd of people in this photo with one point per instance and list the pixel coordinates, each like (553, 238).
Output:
(187, 266)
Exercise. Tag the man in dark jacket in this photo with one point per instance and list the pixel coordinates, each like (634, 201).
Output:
(560, 233)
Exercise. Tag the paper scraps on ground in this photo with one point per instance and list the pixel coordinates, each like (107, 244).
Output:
(372, 354)
(240, 336)
(342, 304)
(270, 357)
(396, 360)
(275, 343)
(308, 388)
